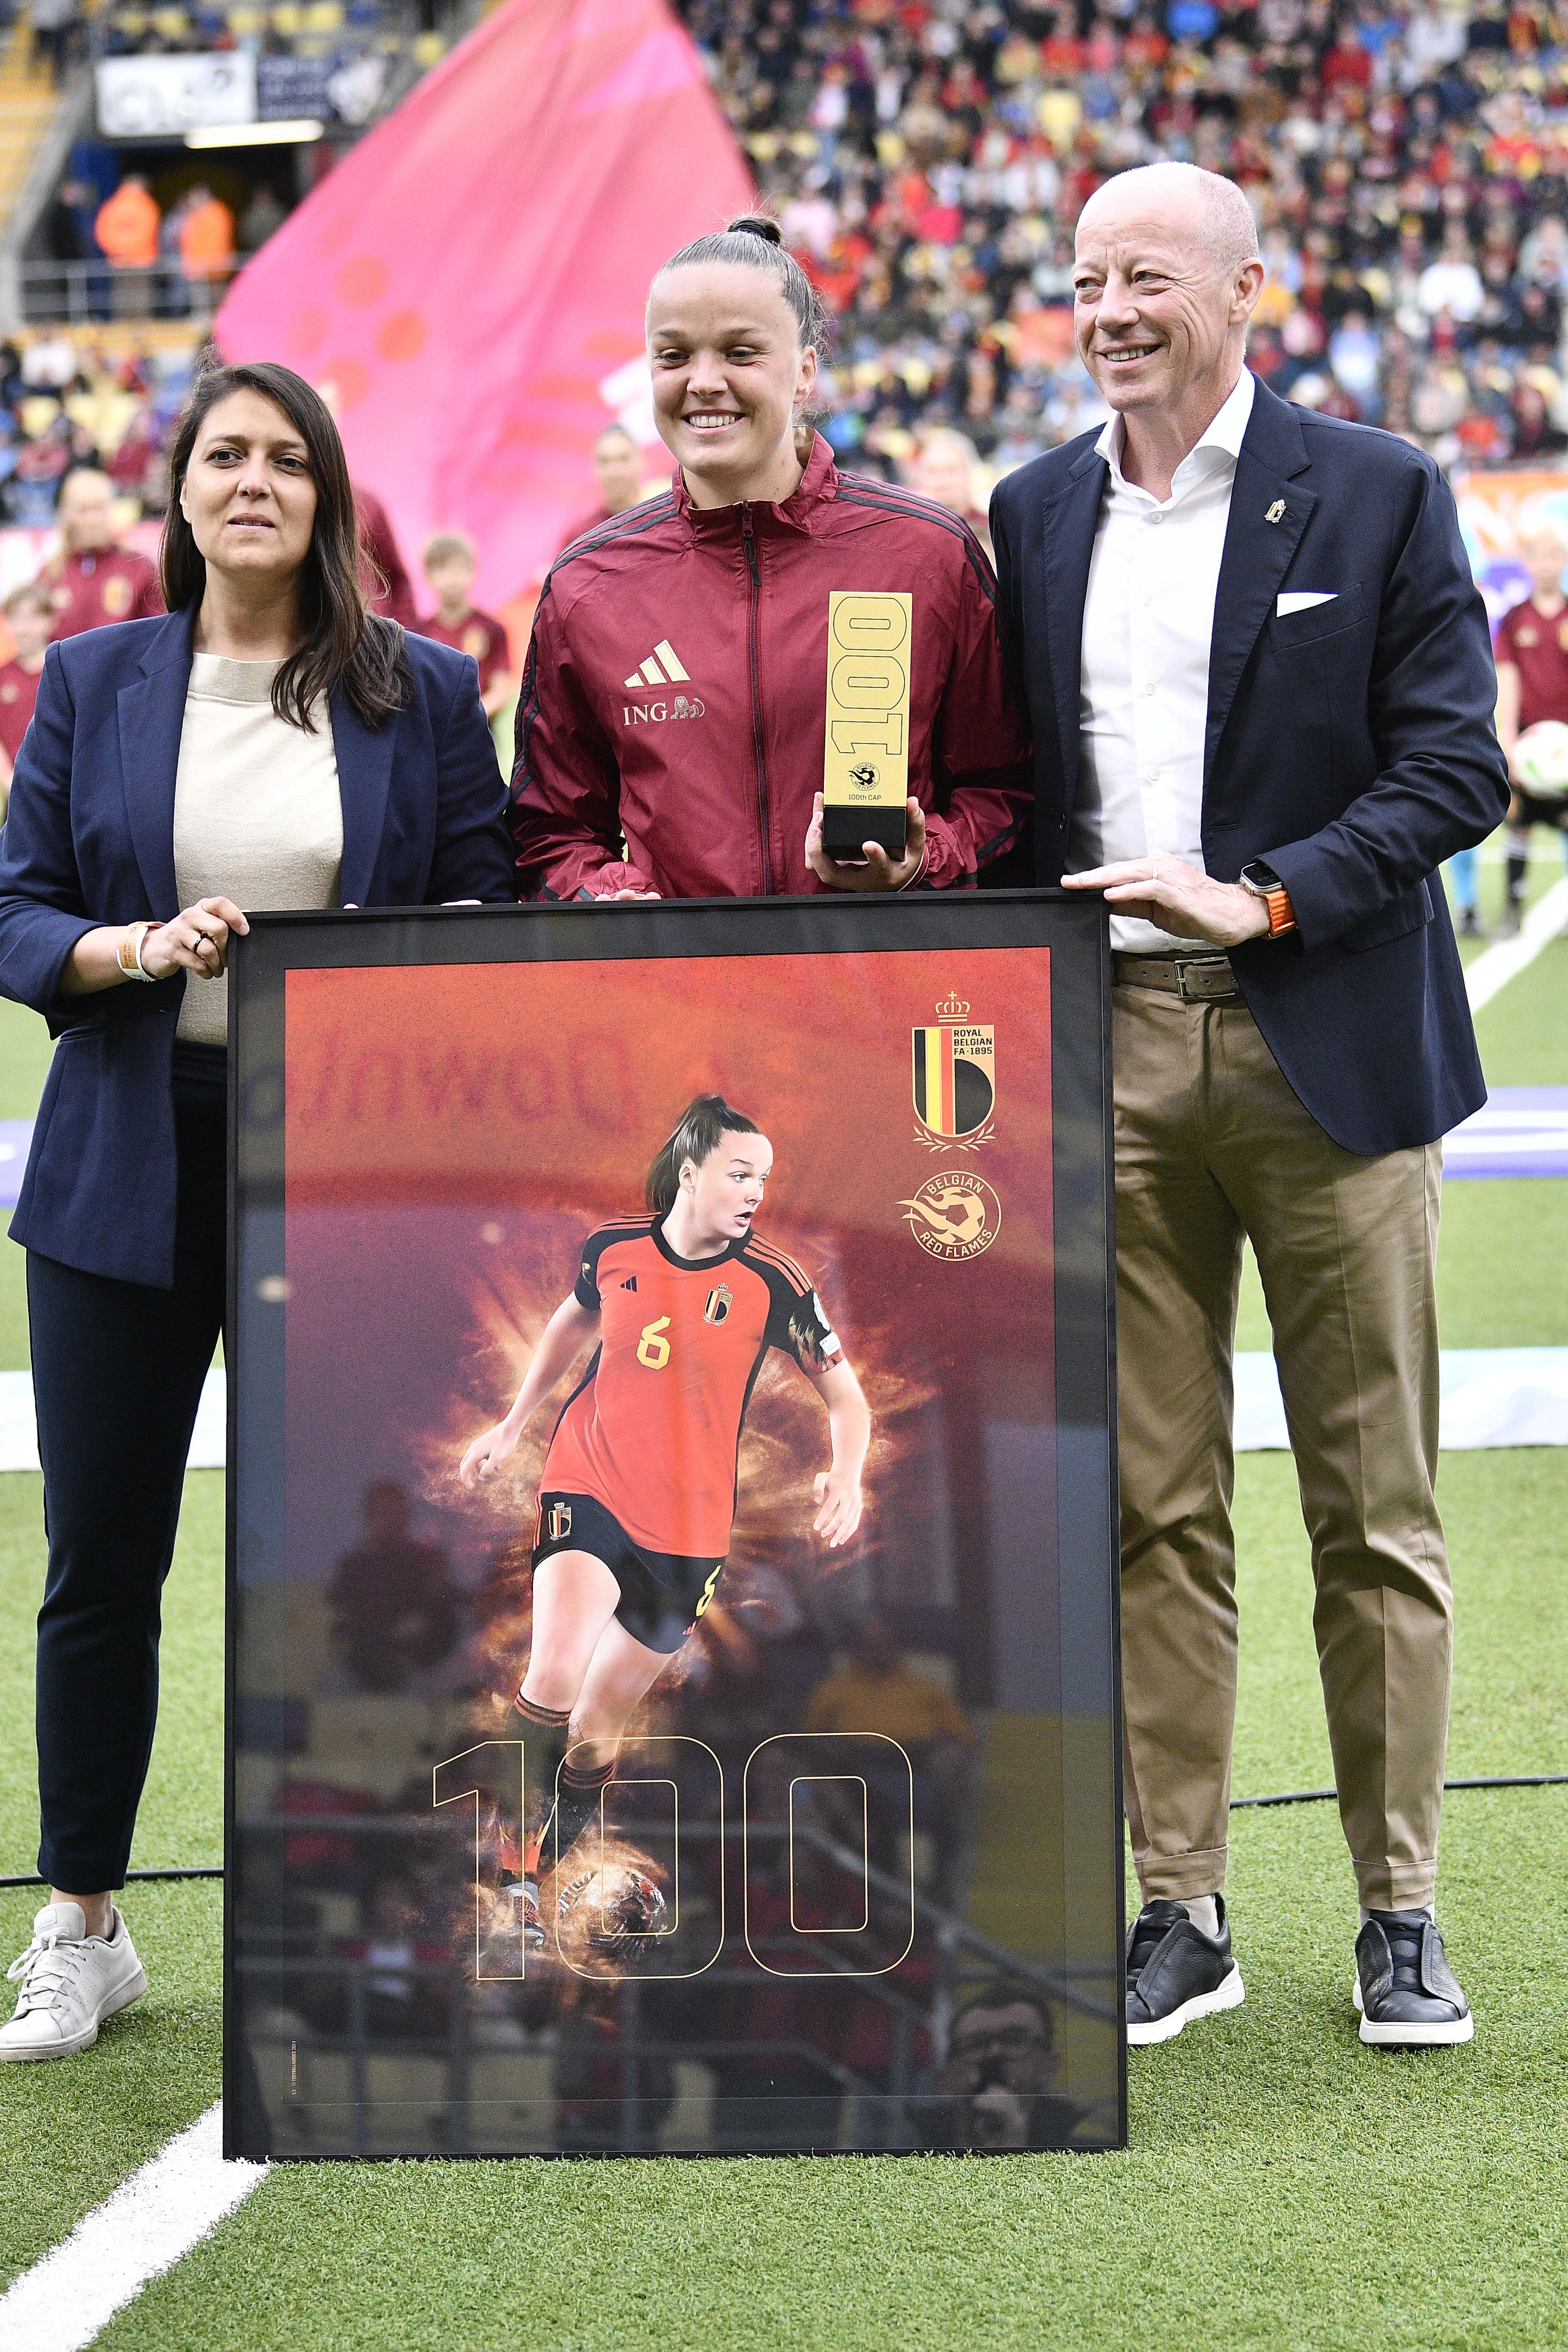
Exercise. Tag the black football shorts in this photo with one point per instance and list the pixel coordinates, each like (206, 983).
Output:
(1532, 808)
(662, 1594)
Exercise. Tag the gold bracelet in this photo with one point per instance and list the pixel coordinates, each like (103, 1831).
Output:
(128, 954)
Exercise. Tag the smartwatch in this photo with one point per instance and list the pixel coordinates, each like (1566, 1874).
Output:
(1265, 884)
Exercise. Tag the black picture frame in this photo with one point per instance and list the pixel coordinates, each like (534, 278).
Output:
(1085, 1978)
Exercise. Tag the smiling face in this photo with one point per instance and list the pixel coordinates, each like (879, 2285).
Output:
(248, 494)
(725, 1192)
(729, 377)
(1159, 320)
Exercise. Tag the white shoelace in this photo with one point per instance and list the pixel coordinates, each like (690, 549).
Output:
(46, 1969)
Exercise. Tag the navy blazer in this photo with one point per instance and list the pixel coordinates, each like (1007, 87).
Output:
(91, 840)
(1351, 745)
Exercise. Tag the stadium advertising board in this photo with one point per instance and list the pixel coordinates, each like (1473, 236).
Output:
(698, 1320)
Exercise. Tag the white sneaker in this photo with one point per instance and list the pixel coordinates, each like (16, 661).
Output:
(70, 1982)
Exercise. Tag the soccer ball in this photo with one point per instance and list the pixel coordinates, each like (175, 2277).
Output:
(616, 1912)
(1540, 760)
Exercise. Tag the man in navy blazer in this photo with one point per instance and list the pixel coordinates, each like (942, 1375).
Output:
(91, 840)
(1261, 687)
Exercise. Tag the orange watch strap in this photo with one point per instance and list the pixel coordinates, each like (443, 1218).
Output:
(1281, 914)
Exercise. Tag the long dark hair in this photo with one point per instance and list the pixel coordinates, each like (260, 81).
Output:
(345, 644)
(700, 1129)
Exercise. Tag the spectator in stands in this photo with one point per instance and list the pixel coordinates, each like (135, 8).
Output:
(618, 462)
(30, 617)
(262, 216)
(449, 569)
(929, 165)
(206, 243)
(128, 226)
(56, 24)
(1531, 649)
(93, 579)
(394, 1605)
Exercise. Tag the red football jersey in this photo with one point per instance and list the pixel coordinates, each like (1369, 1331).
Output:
(114, 583)
(1537, 645)
(479, 634)
(654, 1430)
(18, 693)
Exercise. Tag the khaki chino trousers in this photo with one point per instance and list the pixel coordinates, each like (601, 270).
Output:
(1212, 1145)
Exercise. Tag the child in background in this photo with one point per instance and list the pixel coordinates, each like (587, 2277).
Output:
(1531, 650)
(30, 617)
(449, 568)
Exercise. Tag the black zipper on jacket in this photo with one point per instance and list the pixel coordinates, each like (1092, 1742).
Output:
(755, 571)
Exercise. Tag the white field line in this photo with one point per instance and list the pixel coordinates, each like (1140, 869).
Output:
(175, 2198)
(1504, 963)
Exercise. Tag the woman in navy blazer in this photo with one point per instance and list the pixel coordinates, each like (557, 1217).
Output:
(271, 734)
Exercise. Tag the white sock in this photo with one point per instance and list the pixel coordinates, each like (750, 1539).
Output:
(1204, 1913)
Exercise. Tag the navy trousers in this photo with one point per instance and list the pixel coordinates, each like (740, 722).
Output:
(118, 1370)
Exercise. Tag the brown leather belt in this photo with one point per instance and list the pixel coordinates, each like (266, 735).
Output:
(1197, 979)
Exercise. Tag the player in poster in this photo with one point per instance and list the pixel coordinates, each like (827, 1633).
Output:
(679, 1307)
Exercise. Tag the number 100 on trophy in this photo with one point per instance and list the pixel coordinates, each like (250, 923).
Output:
(865, 765)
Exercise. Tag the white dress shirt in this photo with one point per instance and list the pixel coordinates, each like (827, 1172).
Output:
(1143, 695)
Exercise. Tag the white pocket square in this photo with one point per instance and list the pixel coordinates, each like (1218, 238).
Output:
(1302, 600)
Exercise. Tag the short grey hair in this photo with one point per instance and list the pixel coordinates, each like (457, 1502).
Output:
(1229, 231)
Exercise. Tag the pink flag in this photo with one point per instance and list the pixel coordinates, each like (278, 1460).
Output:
(470, 279)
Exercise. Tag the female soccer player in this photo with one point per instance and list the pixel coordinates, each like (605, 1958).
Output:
(638, 1492)
(690, 686)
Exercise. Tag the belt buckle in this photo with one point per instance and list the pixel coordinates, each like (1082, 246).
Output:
(1194, 963)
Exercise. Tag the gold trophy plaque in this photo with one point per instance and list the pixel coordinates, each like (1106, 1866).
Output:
(865, 761)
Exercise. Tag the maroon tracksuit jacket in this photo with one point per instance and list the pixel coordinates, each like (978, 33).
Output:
(671, 730)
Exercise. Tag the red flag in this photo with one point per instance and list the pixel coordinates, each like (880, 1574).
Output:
(470, 281)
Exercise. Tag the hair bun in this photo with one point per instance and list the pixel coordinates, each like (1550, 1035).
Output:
(760, 225)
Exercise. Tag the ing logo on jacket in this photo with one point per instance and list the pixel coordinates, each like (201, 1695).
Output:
(642, 714)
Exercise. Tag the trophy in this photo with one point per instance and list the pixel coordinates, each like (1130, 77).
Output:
(865, 760)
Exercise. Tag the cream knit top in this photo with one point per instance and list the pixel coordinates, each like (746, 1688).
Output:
(258, 816)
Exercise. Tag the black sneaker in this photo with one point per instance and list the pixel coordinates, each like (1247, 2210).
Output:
(1408, 1996)
(1176, 1972)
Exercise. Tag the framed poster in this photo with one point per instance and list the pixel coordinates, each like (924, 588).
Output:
(672, 1609)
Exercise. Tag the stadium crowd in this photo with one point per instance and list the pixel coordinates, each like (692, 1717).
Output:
(69, 401)
(929, 158)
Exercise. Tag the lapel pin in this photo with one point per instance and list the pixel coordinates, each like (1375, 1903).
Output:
(1276, 513)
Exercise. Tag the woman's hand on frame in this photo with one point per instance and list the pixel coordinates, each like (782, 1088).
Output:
(196, 940)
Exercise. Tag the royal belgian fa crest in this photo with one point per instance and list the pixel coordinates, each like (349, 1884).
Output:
(720, 1303)
(954, 1079)
(558, 1522)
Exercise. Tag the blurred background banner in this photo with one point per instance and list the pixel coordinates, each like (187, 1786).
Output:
(470, 281)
